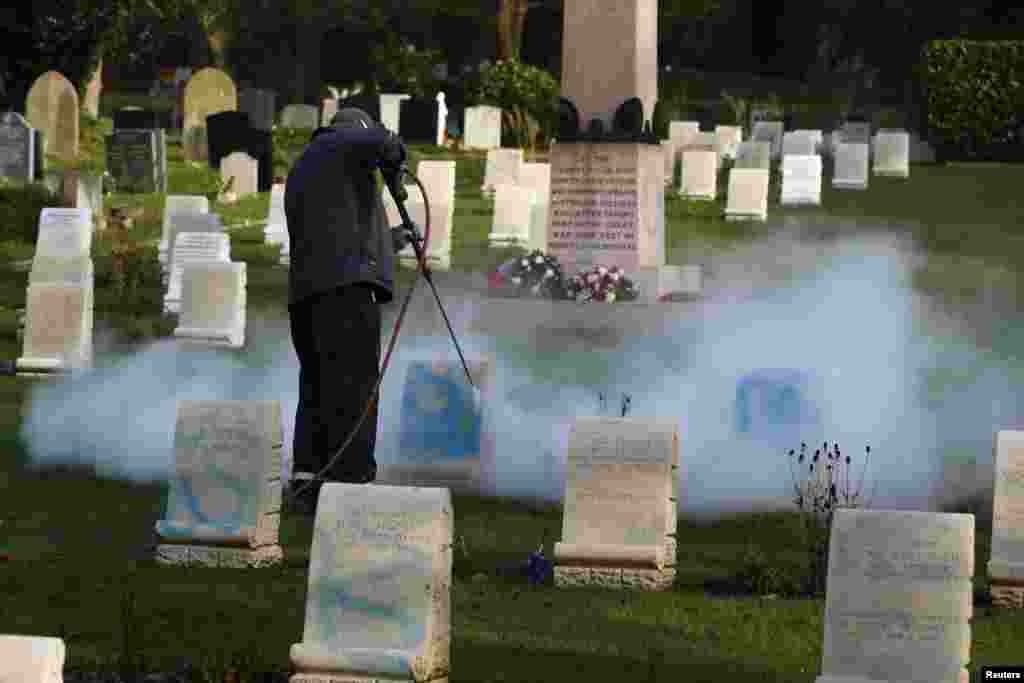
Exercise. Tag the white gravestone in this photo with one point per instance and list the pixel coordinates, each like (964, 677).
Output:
(63, 248)
(224, 504)
(1006, 566)
(700, 174)
(621, 502)
(797, 143)
(748, 195)
(213, 304)
(502, 168)
(801, 180)
(380, 572)
(513, 206)
(177, 203)
(58, 327)
(276, 230)
(483, 128)
(243, 171)
(851, 167)
(816, 138)
(32, 659)
(899, 600)
(680, 134)
(299, 116)
(728, 139)
(188, 221)
(438, 178)
(193, 247)
(856, 133)
(390, 109)
(769, 131)
(892, 154)
(442, 119)
(537, 177)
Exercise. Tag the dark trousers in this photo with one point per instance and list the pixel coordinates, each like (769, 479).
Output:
(337, 339)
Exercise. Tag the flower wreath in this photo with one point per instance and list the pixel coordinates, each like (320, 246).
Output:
(602, 284)
(539, 275)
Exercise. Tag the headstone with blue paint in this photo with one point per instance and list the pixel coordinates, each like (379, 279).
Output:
(224, 504)
(446, 436)
(773, 406)
(378, 602)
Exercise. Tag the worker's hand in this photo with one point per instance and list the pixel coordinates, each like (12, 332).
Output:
(392, 152)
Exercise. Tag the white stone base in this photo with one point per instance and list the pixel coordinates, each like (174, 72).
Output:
(323, 677)
(892, 172)
(209, 556)
(760, 217)
(850, 184)
(614, 577)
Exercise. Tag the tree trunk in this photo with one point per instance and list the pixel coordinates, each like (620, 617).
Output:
(91, 101)
(506, 46)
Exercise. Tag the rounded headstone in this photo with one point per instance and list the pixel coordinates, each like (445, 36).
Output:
(52, 107)
(209, 91)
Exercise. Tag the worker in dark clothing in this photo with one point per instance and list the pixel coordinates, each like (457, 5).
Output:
(342, 254)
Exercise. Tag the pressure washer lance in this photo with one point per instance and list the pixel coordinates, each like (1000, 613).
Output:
(392, 178)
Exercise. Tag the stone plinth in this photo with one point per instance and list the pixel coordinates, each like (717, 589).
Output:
(1006, 566)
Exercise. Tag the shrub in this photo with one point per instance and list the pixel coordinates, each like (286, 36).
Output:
(523, 92)
(20, 206)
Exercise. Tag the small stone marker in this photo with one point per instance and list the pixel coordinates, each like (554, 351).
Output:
(748, 195)
(483, 128)
(132, 160)
(63, 248)
(797, 143)
(178, 203)
(189, 248)
(700, 174)
(1006, 566)
(502, 168)
(243, 171)
(438, 178)
(380, 572)
(213, 304)
(513, 208)
(52, 108)
(32, 659)
(899, 600)
(619, 523)
(209, 91)
(224, 504)
(390, 110)
(446, 437)
(58, 327)
(537, 177)
(299, 116)
(17, 148)
(892, 154)
(754, 155)
(801, 180)
(276, 230)
(727, 140)
(851, 167)
(769, 131)
(189, 221)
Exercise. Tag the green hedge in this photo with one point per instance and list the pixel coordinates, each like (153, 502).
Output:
(20, 206)
(975, 94)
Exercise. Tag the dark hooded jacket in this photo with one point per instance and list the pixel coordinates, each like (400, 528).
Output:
(336, 221)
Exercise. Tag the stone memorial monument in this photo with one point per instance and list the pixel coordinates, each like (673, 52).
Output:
(483, 128)
(622, 490)
(801, 180)
(242, 171)
(63, 252)
(224, 504)
(58, 327)
(699, 179)
(502, 168)
(132, 161)
(537, 177)
(899, 601)
(1006, 566)
(892, 154)
(52, 108)
(851, 166)
(513, 208)
(32, 659)
(177, 204)
(380, 572)
(208, 91)
(438, 178)
(189, 248)
(390, 110)
(17, 148)
(747, 198)
(213, 304)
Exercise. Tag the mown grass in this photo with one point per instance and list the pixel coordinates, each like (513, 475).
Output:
(81, 545)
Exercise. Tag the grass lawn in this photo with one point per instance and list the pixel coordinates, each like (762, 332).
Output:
(81, 567)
